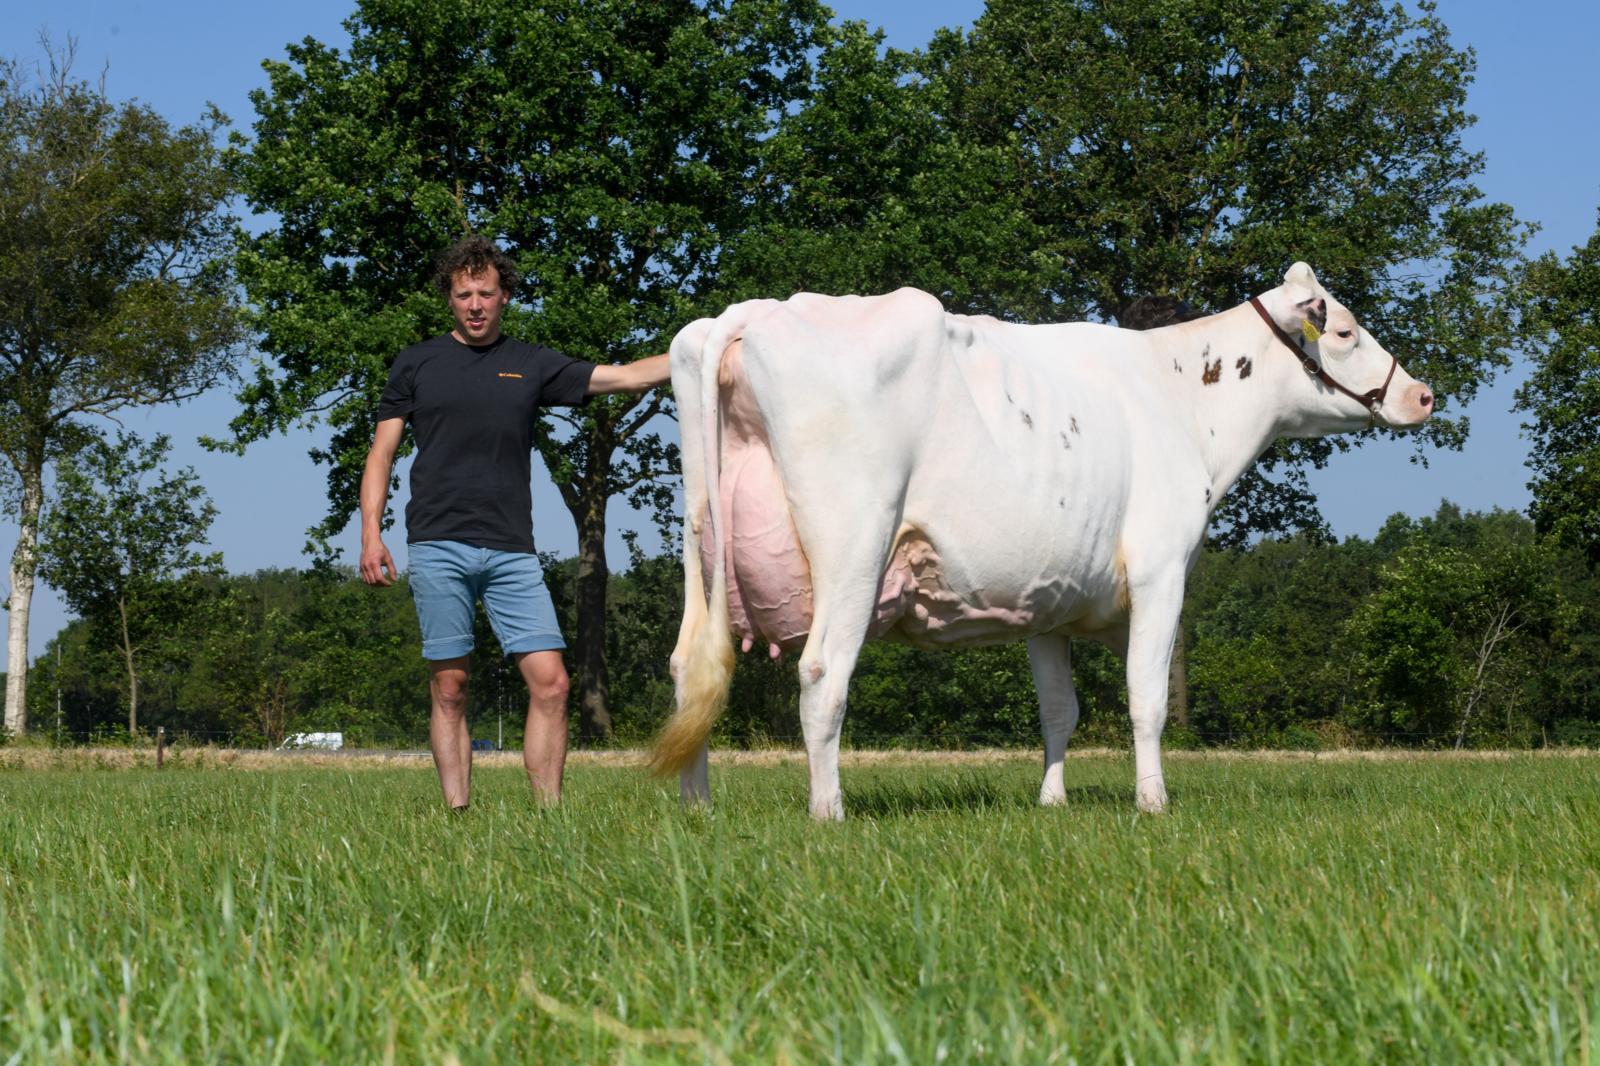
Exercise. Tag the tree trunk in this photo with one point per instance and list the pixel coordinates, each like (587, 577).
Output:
(133, 676)
(594, 696)
(1499, 628)
(24, 561)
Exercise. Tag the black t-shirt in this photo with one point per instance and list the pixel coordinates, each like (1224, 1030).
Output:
(472, 410)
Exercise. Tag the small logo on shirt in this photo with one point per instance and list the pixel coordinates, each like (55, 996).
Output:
(507, 374)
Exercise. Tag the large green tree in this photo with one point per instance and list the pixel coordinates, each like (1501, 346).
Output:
(610, 147)
(1562, 395)
(868, 189)
(113, 285)
(120, 544)
(1198, 147)
(1065, 157)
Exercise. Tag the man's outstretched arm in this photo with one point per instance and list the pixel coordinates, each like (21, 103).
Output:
(634, 377)
(375, 558)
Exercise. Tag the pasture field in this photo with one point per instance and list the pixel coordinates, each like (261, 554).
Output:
(1287, 910)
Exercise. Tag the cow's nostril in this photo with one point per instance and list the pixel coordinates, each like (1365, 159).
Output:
(1426, 399)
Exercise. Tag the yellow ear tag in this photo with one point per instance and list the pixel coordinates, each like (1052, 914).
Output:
(1311, 332)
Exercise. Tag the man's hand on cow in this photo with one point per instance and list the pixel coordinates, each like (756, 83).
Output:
(377, 565)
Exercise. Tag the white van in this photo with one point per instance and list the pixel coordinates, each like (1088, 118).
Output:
(325, 741)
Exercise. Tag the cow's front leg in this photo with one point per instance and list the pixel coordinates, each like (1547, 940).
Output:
(1152, 626)
(694, 781)
(1051, 659)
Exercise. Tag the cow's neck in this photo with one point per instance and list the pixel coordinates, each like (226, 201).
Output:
(1237, 382)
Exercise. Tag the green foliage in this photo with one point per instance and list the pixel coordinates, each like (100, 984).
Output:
(1409, 671)
(1562, 395)
(866, 189)
(114, 287)
(284, 651)
(1459, 628)
(119, 544)
(1464, 612)
(1263, 631)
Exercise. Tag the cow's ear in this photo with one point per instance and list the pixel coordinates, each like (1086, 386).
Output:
(1301, 282)
(1303, 304)
(1300, 274)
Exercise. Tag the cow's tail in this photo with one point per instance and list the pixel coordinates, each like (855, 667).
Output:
(702, 662)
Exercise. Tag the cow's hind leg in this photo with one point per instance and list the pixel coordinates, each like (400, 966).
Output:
(825, 669)
(845, 598)
(1152, 626)
(694, 781)
(1051, 659)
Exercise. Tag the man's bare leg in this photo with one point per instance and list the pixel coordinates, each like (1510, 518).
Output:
(448, 735)
(544, 743)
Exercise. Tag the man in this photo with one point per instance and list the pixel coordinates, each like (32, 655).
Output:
(472, 396)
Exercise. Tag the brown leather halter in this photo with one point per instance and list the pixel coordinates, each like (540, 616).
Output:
(1372, 399)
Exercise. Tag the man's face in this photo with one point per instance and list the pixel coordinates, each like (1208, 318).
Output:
(477, 301)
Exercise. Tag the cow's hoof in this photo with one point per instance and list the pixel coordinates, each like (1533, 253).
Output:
(831, 810)
(1052, 797)
(1152, 800)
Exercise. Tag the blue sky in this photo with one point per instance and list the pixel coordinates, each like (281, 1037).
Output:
(1534, 99)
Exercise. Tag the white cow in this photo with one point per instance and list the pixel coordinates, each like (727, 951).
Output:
(883, 468)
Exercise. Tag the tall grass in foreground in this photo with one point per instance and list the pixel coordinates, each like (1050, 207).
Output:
(1434, 911)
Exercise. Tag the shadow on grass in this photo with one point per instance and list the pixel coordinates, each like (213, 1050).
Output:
(965, 792)
(1117, 797)
(968, 793)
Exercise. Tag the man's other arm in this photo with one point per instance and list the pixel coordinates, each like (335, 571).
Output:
(377, 565)
(637, 376)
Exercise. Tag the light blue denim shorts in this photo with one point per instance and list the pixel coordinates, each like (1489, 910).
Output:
(449, 577)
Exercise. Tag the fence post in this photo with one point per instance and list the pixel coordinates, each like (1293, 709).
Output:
(161, 745)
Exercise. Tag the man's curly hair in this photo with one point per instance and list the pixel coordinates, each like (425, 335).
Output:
(474, 254)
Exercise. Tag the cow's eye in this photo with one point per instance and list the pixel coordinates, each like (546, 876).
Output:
(1345, 334)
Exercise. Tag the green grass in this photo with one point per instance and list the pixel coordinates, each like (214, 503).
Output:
(1420, 911)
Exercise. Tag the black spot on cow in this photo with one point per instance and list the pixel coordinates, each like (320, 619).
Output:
(1243, 366)
(1062, 502)
(1008, 397)
(1072, 423)
(1213, 373)
(1177, 366)
(1208, 493)
(1066, 442)
(1213, 433)
(1027, 419)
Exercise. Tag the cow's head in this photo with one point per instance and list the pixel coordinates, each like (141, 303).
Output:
(1327, 334)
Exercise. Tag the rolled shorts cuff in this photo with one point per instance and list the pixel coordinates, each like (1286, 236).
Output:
(447, 647)
(531, 642)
